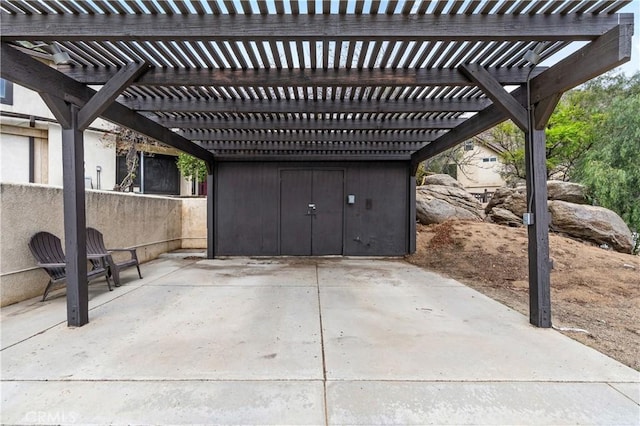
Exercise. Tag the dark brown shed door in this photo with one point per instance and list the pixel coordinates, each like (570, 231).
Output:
(311, 212)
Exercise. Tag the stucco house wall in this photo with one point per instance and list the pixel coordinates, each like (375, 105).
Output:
(99, 146)
(481, 170)
(14, 148)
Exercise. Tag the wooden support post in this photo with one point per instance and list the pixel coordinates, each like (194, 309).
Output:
(538, 232)
(75, 222)
(412, 210)
(210, 212)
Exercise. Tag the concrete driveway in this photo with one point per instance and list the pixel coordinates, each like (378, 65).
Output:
(300, 341)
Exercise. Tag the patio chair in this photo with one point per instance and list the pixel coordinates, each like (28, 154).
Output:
(47, 249)
(95, 245)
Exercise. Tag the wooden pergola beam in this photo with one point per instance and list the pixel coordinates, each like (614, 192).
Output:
(297, 77)
(594, 59)
(213, 123)
(292, 106)
(163, 27)
(319, 156)
(477, 124)
(229, 146)
(264, 136)
(35, 75)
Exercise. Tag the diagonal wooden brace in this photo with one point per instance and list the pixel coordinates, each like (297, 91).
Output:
(109, 92)
(500, 97)
(59, 108)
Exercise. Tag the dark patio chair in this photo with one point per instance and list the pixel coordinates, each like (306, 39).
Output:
(95, 245)
(47, 249)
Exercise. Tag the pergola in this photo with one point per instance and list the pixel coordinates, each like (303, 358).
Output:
(357, 80)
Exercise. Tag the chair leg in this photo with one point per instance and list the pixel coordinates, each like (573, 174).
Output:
(47, 290)
(113, 271)
(115, 274)
(138, 267)
(108, 282)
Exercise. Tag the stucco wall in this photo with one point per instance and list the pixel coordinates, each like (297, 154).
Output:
(14, 158)
(194, 223)
(14, 153)
(152, 224)
(27, 101)
(97, 152)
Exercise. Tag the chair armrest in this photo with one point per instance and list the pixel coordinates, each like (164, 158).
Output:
(96, 255)
(134, 254)
(51, 265)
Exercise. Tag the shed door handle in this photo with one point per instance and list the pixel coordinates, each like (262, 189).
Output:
(311, 209)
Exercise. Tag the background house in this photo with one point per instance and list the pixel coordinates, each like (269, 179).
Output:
(31, 150)
(479, 169)
(31, 143)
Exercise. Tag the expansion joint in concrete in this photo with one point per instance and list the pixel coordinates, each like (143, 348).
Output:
(324, 366)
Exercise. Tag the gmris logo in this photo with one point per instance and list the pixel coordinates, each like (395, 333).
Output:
(51, 417)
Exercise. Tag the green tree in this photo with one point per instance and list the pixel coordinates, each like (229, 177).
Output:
(611, 169)
(569, 136)
(192, 168)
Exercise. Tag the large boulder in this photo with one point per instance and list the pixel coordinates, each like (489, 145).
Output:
(504, 217)
(591, 223)
(567, 191)
(569, 214)
(511, 199)
(438, 203)
(442, 179)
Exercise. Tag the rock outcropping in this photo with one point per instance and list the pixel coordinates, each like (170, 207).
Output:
(442, 198)
(567, 191)
(569, 214)
(511, 199)
(591, 223)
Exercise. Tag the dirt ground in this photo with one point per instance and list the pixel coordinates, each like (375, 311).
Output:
(594, 290)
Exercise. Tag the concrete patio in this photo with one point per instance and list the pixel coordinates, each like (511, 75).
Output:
(299, 341)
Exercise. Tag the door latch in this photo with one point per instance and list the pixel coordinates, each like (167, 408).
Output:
(311, 209)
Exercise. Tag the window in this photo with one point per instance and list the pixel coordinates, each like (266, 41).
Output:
(159, 173)
(468, 145)
(6, 92)
(489, 160)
